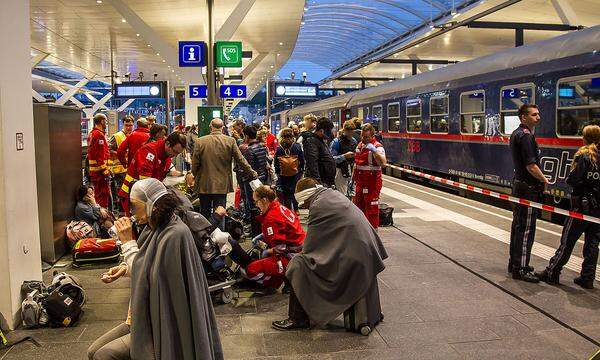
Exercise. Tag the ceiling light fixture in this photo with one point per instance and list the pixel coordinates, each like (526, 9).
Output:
(98, 1)
(123, 20)
(148, 45)
(157, 54)
(137, 34)
(280, 44)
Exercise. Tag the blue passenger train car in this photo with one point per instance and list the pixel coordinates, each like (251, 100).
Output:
(457, 120)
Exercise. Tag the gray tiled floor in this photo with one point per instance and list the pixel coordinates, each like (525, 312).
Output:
(433, 309)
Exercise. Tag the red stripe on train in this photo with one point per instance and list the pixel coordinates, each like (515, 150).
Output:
(566, 142)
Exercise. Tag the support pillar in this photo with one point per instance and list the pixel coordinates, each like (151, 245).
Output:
(20, 256)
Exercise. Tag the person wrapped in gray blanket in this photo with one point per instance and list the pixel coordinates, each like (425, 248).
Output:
(171, 310)
(341, 258)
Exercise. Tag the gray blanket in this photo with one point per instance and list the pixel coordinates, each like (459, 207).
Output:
(172, 313)
(341, 257)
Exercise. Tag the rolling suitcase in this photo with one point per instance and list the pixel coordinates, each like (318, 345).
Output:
(365, 314)
(93, 251)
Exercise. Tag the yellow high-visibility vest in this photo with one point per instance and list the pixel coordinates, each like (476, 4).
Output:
(115, 165)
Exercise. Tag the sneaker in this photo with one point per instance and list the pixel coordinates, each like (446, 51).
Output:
(525, 275)
(584, 283)
(289, 324)
(547, 277)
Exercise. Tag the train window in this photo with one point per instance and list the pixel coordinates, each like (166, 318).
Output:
(376, 116)
(511, 99)
(472, 112)
(438, 111)
(413, 115)
(578, 104)
(393, 111)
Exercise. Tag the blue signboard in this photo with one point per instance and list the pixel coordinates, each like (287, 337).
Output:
(511, 93)
(232, 91)
(192, 53)
(198, 92)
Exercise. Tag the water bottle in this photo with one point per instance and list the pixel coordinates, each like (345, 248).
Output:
(113, 230)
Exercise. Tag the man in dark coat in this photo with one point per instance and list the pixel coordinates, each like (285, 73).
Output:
(320, 164)
(340, 260)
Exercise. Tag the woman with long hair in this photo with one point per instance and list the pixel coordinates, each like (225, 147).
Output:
(585, 198)
(289, 167)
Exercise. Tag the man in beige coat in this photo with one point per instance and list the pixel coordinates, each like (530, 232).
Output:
(211, 167)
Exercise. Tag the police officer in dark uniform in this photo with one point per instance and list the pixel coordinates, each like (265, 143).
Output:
(585, 198)
(529, 182)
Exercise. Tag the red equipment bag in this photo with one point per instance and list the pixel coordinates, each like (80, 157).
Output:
(93, 251)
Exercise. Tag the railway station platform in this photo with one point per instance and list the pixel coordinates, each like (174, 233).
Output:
(445, 294)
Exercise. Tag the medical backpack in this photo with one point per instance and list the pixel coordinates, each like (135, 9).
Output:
(95, 251)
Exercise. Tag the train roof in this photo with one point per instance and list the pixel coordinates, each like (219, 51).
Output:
(573, 43)
(329, 103)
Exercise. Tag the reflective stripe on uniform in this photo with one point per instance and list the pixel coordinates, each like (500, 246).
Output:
(128, 178)
(125, 188)
(368, 167)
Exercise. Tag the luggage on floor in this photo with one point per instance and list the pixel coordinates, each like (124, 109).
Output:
(234, 227)
(386, 215)
(62, 309)
(94, 251)
(363, 316)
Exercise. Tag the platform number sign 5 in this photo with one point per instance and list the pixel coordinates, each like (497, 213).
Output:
(198, 91)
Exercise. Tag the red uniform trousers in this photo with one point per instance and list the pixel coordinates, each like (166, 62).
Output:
(101, 189)
(266, 271)
(366, 198)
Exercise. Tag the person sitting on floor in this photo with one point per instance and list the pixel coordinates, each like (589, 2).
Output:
(88, 210)
(171, 310)
(341, 258)
(282, 233)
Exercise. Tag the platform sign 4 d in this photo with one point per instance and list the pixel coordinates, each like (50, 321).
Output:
(198, 91)
(192, 53)
(228, 54)
(232, 91)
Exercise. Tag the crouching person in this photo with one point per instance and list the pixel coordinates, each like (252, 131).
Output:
(282, 233)
(341, 257)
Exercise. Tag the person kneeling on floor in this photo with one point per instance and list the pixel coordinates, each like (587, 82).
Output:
(282, 233)
(341, 258)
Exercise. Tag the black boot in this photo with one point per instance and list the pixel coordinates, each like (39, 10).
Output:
(289, 324)
(548, 277)
(584, 283)
(525, 275)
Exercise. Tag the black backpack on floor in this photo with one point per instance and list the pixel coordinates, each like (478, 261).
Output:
(386, 213)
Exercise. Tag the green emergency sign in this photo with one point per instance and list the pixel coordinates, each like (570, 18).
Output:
(228, 54)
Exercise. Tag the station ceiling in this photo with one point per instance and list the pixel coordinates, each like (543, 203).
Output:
(464, 43)
(87, 36)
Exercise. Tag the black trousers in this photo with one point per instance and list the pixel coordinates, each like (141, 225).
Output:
(522, 231)
(572, 231)
(295, 310)
(209, 202)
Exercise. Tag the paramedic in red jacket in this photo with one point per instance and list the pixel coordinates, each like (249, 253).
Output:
(97, 156)
(368, 161)
(129, 146)
(151, 161)
(283, 235)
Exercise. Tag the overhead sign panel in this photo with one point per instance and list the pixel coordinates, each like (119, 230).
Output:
(228, 54)
(192, 53)
(295, 90)
(139, 89)
(198, 91)
(232, 91)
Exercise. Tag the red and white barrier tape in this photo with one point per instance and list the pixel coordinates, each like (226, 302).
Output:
(498, 195)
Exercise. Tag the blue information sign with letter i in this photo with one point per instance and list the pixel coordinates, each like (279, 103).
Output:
(192, 53)
(198, 92)
(232, 91)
